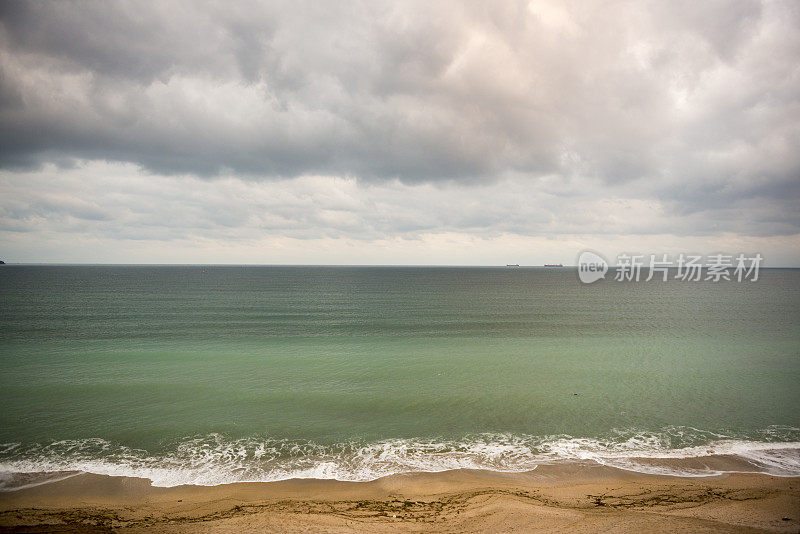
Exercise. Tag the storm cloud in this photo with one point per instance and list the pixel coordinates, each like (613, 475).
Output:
(486, 118)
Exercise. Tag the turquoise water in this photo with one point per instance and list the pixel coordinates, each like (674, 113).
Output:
(263, 373)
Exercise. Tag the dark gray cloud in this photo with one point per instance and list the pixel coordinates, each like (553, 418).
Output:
(383, 120)
(464, 91)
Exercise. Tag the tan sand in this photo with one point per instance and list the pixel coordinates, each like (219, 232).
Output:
(563, 498)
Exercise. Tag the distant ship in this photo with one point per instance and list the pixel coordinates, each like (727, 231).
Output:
(553, 265)
(512, 265)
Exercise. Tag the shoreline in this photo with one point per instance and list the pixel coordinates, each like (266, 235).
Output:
(225, 462)
(578, 496)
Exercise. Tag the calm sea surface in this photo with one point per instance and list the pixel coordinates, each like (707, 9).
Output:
(263, 373)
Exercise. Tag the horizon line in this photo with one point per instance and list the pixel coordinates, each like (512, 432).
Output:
(508, 266)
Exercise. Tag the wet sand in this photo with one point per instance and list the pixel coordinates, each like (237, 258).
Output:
(567, 497)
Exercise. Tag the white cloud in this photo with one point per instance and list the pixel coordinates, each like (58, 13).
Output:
(110, 212)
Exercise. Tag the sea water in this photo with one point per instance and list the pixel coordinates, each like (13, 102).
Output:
(215, 374)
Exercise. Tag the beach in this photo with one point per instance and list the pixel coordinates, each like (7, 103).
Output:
(575, 497)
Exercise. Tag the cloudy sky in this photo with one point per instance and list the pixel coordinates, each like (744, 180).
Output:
(398, 132)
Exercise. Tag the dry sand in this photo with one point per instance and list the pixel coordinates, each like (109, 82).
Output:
(563, 498)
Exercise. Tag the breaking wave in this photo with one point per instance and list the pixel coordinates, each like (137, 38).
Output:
(215, 459)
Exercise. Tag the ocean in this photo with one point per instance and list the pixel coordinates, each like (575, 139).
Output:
(216, 374)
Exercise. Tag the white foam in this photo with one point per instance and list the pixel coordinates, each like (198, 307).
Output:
(213, 459)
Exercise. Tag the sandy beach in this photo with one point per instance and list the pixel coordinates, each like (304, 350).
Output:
(567, 497)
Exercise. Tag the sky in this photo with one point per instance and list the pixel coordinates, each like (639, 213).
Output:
(454, 133)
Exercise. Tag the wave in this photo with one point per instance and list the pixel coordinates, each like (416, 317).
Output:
(215, 459)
